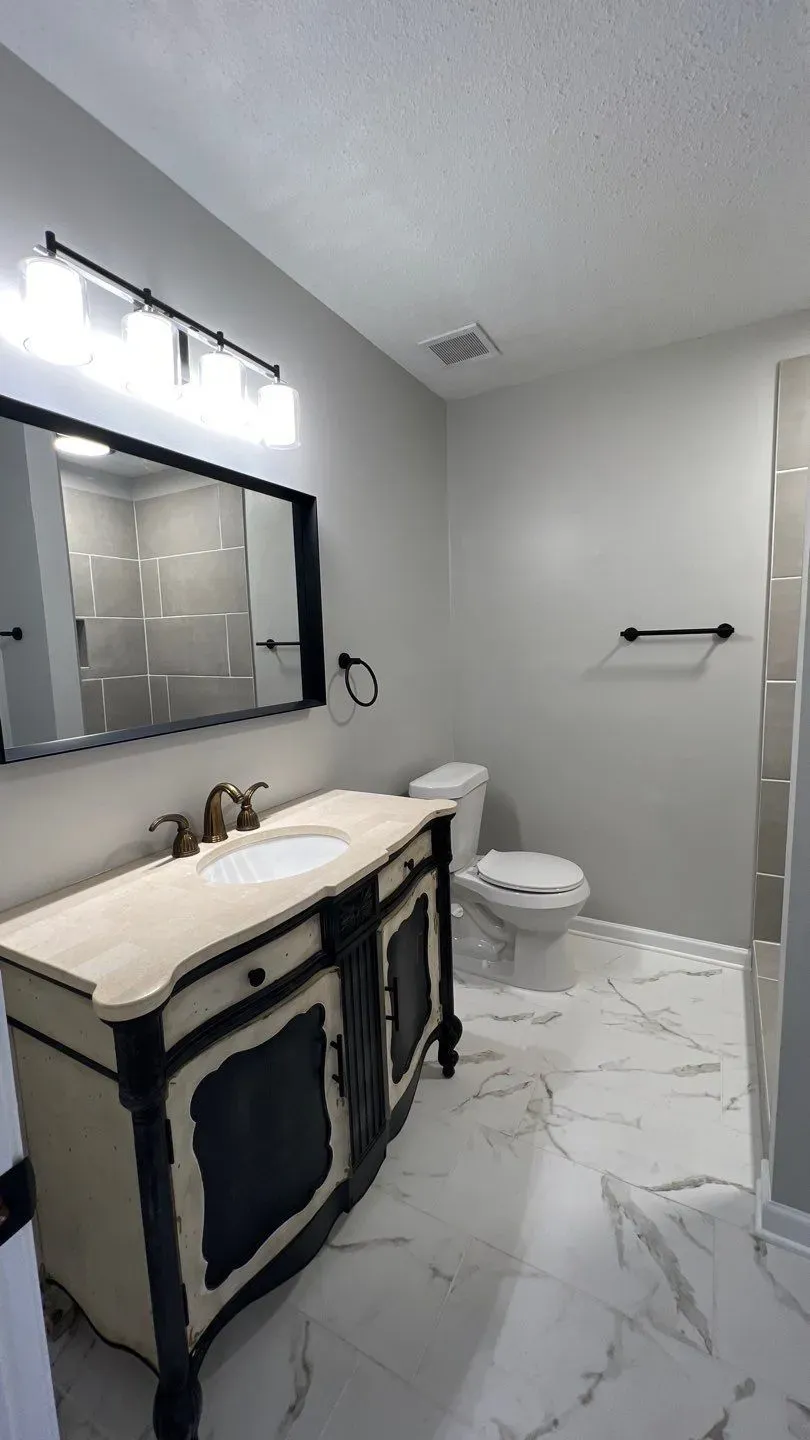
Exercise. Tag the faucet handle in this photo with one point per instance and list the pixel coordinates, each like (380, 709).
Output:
(247, 818)
(185, 841)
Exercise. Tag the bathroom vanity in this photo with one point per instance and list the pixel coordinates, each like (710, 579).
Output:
(209, 1074)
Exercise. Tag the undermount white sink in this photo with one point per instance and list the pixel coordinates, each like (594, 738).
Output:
(277, 858)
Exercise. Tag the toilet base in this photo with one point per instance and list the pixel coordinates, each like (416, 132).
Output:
(543, 961)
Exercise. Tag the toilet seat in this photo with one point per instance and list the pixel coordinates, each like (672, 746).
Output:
(529, 872)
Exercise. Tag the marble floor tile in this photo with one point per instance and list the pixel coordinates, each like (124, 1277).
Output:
(711, 1170)
(420, 1161)
(762, 1302)
(377, 1405)
(740, 1097)
(273, 1374)
(487, 1088)
(517, 1355)
(648, 1257)
(381, 1279)
(101, 1393)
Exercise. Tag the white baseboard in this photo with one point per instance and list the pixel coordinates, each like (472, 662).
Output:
(779, 1224)
(660, 940)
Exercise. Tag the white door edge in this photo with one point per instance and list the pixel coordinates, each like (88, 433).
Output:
(27, 1406)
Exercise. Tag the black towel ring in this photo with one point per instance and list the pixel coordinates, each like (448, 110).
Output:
(345, 661)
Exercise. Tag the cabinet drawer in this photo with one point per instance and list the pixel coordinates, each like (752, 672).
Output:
(397, 871)
(218, 991)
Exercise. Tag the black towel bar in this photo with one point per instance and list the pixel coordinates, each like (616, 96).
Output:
(723, 632)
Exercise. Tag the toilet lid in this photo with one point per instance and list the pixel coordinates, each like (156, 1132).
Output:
(530, 871)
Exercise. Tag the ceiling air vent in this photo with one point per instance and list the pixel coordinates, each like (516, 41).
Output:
(468, 343)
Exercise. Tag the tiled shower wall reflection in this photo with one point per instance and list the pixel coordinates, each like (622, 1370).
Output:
(106, 576)
(784, 609)
(160, 595)
(195, 591)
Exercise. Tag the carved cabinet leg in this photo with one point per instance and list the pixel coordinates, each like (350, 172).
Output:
(451, 1027)
(177, 1412)
(449, 1036)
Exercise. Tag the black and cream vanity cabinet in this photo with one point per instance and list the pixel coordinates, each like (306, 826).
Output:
(196, 1155)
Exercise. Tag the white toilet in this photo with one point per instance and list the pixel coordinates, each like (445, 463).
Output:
(511, 909)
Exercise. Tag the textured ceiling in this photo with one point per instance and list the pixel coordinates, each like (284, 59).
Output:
(581, 178)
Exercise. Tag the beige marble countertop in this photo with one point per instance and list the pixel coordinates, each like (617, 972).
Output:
(126, 936)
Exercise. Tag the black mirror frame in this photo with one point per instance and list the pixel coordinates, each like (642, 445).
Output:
(307, 574)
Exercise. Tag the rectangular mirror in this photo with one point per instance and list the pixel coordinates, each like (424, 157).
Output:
(145, 591)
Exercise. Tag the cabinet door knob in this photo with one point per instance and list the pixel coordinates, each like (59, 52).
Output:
(256, 978)
(409, 864)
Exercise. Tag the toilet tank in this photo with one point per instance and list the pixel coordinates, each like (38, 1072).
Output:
(467, 785)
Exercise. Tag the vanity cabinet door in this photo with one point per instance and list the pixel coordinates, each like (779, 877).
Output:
(260, 1136)
(410, 964)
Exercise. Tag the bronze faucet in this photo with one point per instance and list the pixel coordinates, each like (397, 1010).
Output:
(185, 841)
(247, 819)
(213, 823)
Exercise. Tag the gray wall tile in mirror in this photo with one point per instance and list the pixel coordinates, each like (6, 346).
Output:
(116, 587)
(188, 645)
(159, 694)
(179, 523)
(204, 695)
(240, 644)
(114, 647)
(150, 587)
(98, 524)
(93, 707)
(127, 702)
(212, 582)
(83, 602)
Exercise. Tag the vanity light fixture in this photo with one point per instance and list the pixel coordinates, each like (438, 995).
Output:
(278, 415)
(156, 347)
(55, 312)
(150, 354)
(80, 449)
(222, 389)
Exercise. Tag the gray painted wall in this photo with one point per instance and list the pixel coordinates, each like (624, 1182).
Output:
(635, 493)
(373, 452)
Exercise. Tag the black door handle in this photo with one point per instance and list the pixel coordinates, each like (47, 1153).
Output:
(340, 1077)
(15, 634)
(393, 991)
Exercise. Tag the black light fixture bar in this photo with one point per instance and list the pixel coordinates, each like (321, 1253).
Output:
(118, 284)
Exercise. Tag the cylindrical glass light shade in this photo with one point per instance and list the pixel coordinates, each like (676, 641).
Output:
(55, 312)
(222, 390)
(278, 415)
(150, 354)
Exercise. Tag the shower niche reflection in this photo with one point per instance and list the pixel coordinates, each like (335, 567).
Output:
(146, 592)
